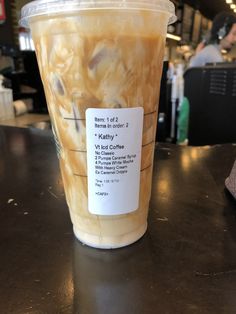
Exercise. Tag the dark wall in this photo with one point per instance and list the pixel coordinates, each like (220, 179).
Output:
(6, 29)
(208, 8)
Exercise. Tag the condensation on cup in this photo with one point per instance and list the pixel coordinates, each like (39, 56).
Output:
(101, 66)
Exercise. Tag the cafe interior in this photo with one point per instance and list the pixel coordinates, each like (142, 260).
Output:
(205, 124)
(186, 261)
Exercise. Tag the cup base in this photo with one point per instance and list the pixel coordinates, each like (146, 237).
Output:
(110, 242)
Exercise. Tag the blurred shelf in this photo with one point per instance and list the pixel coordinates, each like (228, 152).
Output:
(41, 121)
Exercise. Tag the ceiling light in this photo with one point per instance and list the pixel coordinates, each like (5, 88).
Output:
(229, 1)
(174, 37)
(233, 6)
(234, 10)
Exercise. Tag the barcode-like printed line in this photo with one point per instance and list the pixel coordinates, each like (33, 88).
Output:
(148, 143)
(80, 175)
(146, 168)
(73, 119)
(78, 151)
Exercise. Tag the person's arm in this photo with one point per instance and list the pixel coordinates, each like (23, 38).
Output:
(200, 46)
(197, 60)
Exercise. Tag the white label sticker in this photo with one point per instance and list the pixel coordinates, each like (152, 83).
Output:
(114, 145)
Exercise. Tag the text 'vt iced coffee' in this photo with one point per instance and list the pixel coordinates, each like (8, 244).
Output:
(101, 69)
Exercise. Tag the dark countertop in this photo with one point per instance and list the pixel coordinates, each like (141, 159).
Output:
(185, 263)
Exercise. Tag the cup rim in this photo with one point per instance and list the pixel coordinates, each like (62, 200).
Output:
(55, 7)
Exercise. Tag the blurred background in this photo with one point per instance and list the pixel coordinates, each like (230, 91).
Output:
(19, 73)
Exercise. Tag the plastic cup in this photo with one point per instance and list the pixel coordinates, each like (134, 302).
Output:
(101, 66)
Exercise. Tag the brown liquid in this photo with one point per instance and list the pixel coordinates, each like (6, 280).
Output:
(112, 70)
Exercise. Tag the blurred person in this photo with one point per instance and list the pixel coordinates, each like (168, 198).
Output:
(222, 37)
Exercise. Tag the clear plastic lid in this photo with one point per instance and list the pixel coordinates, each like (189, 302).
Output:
(47, 7)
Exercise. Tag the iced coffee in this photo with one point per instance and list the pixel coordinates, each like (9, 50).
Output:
(101, 70)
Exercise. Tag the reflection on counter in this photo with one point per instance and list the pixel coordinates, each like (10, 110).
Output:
(42, 125)
(110, 281)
